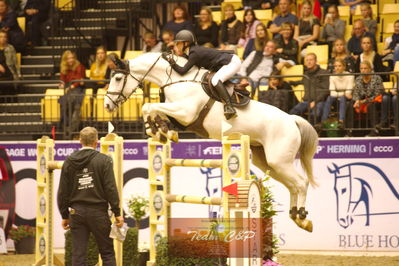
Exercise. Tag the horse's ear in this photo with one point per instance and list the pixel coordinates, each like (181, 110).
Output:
(119, 63)
(332, 171)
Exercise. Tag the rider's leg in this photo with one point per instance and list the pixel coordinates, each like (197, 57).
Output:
(220, 77)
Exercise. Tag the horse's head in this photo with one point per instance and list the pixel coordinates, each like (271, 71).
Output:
(343, 192)
(121, 86)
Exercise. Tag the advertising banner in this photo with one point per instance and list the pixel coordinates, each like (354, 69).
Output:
(355, 205)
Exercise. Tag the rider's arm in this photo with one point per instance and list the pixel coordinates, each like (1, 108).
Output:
(192, 59)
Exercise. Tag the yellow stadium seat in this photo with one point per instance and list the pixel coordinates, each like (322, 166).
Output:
(50, 108)
(390, 9)
(380, 47)
(100, 114)
(217, 16)
(19, 59)
(86, 108)
(321, 52)
(324, 66)
(264, 15)
(240, 52)
(131, 109)
(299, 91)
(22, 23)
(116, 52)
(65, 5)
(381, 4)
(240, 14)
(294, 70)
(390, 12)
(344, 13)
(348, 32)
(133, 54)
(235, 3)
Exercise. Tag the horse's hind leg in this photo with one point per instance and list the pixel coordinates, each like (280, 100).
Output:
(282, 167)
(259, 160)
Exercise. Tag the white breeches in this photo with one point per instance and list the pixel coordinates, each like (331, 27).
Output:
(227, 71)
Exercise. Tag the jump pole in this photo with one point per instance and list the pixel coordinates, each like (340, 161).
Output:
(111, 145)
(235, 166)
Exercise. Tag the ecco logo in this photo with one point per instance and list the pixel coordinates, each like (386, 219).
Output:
(383, 149)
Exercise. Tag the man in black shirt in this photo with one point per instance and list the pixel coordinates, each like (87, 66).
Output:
(87, 186)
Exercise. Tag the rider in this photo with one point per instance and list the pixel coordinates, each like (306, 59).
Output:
(224, 63)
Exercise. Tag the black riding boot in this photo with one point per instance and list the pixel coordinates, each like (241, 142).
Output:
(229, 110)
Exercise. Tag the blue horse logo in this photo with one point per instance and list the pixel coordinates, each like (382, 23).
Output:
(354, 189)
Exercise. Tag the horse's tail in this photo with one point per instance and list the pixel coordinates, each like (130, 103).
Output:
(309, 141)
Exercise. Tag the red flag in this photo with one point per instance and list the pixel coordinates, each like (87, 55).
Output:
(53, 132)
(231, 189)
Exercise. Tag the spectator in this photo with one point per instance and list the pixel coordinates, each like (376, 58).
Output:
(389, 101)
(287, 47)
(334, 27)
(340, 89)
(339, 52)
(9, 64)
(308, 29)
(279, 93)
(292, 8)
(36, 12)
(206, 30)
(87, 187)
(8, 23)
(370, 55)
(327, 3)
(367, 94)
(284, 16)
(167, 40)
(391, 47)
(249, 30)
(151, 44)
(71, 69)
(316, 89)
(230, 29)
(99, 68)
(257, 44)
(179, 22)
(352, 4)
(315, 8)
(359, 31)
(260, 64)
(369, 22)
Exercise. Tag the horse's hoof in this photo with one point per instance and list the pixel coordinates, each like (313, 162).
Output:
(161, 138)
(173, 136)
(293, 213)
(304, 224)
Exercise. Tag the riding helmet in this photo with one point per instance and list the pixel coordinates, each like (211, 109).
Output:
(185, 36)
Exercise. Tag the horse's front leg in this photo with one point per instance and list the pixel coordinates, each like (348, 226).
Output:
(158, 112)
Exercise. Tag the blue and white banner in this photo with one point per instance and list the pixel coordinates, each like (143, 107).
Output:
(354, 207)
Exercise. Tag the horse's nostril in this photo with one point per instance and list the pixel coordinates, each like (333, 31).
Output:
(107, 106)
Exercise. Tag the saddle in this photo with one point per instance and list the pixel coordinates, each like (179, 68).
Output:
(239, 98)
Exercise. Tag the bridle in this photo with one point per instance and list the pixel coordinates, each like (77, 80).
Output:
(125, 69)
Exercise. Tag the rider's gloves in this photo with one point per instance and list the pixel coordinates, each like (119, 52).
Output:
(168, 57)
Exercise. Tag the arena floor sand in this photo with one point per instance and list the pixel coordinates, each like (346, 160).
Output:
(284, 259)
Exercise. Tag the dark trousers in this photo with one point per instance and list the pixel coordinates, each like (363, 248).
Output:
(84, 221)
(71, 104)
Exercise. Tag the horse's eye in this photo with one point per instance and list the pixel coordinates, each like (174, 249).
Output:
(118, 78)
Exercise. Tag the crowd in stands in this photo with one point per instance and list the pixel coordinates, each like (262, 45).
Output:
(346, 81)
(269, 48)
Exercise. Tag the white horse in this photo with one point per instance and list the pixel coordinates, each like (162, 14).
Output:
(276, 137)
